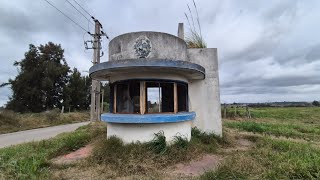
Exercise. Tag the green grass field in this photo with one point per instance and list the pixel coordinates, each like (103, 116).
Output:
(284, 144)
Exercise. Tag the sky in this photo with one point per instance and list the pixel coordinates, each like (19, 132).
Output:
(268, 50)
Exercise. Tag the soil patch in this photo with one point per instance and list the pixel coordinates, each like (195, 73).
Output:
(198, 167)
(73, 157)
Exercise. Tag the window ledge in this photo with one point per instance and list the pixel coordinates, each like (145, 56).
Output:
(147, 118)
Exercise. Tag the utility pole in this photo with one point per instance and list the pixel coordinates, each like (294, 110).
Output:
(102, 92)
(95, 91)
(95, 109)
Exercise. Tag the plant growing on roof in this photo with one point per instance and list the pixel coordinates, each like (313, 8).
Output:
(194, 39)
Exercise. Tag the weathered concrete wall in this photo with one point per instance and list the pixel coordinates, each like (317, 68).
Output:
(145, 132)
(163, 46)
(204, 95)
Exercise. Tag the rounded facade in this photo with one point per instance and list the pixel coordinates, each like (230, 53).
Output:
(150, 45)
(149, 76)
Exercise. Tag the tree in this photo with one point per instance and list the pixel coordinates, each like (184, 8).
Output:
(77, 91)
(316, 103)
(106, 95)
(41, 79)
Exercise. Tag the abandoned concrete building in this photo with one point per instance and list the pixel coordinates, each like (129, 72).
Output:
(158, 84)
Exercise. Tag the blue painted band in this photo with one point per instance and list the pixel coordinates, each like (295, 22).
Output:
(148, 118)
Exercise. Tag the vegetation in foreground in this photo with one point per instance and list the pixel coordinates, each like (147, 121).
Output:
(272, 156)
(32, 160)
(271, 159)
(286, 145)
(142, 158)
(11, 122)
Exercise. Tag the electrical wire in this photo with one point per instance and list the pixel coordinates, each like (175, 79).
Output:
(84, 9)
(79, 12)
(68, 17)
(90, 16)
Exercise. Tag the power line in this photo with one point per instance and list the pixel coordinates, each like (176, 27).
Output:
(91, 17)
(68, 17)
(79, 12)
(84, 9)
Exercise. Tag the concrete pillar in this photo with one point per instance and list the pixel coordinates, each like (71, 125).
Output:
(181, 31)
(204, 95)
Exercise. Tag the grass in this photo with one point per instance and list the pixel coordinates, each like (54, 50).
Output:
(142, 158)
(308, 115)
(32, 160)
(286, 130)
(271, 159)
(270, 156)
(12, 122)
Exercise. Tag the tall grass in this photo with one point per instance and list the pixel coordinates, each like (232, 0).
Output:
(194, 39)
(141, 158)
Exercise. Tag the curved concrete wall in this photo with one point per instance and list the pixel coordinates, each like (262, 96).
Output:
(145, 132)
(163, 46)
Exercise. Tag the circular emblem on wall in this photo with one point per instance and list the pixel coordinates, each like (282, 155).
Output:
(142, 47)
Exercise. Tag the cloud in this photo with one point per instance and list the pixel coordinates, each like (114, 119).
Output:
(267, 50)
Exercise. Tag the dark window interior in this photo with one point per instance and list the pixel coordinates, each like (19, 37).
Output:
(167, 97)
(128, 97)
(182, 90)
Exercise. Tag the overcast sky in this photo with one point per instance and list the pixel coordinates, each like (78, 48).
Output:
(268, 50)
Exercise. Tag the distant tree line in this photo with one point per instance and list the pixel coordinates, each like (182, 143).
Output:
(316, 103)
(277, 104)
(45, 82)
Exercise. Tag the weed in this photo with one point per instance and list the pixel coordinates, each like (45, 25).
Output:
(159, 144)
(205, 138)
(180, 142)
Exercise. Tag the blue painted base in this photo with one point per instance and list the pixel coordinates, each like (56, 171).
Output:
(148, 118)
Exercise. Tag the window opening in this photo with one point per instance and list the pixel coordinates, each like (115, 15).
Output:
(128, 97)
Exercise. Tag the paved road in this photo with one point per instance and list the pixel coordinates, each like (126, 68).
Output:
(36, 134)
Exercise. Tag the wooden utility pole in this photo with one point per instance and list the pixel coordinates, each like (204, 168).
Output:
(102, 105)
(95, 90)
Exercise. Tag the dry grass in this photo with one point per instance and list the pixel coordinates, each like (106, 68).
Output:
(11, 122)
(194, 39)
(112, 159)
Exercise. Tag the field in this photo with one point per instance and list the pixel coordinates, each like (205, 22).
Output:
(286, 145)
(12, 122)
(277, 143)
